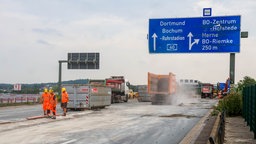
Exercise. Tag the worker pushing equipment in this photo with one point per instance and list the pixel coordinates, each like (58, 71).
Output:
(64, 101)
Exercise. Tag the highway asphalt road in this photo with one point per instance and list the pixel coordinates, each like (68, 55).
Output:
(126, 123)
(19, 113)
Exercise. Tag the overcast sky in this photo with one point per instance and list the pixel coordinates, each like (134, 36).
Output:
(36, 34)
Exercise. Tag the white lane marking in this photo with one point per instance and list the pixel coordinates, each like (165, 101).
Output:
(67, 142)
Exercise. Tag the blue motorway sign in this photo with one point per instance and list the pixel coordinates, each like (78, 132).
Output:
(195, 35)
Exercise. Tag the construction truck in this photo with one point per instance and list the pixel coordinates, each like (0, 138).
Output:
(119, 89)
(207, 90)
(161, 88)
(223, 88)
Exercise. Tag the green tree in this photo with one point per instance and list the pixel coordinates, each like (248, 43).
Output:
(232, 103)
(247, 81)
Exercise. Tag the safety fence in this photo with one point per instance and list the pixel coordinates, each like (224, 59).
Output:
(249, 107)
(19, 98)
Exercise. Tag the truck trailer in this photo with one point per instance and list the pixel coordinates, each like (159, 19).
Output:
(162, 88)
(88, 96)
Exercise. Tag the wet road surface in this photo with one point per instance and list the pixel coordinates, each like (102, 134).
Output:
(128, 123)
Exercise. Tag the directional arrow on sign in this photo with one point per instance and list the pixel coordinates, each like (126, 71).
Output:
(196, 41)
(154, 36)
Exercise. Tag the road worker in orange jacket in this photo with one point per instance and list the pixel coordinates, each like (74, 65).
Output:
(45, 101)
(64, 101)
(53, 103)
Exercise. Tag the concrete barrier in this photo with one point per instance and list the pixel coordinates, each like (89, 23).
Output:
(217, 134)
(214, 134)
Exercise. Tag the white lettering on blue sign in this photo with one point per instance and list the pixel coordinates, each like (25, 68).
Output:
(195, 35)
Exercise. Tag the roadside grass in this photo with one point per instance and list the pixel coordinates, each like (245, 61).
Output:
(231, 104)
(215, 112)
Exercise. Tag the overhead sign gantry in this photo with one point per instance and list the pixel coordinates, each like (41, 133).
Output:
(83, 60)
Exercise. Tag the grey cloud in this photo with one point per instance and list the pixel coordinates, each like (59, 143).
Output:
(43, 42)
(47, 31)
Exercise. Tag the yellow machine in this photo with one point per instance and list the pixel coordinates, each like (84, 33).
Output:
(130, 94)
(133, 94)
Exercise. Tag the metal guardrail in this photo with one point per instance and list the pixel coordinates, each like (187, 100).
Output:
(249, 107)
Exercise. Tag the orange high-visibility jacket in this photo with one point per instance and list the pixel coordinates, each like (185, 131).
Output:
(46, 100)
(53, 100)
(64, 97)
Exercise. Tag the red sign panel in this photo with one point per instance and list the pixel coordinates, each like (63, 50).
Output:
(206, 89)
(95, 90)
(84, 90)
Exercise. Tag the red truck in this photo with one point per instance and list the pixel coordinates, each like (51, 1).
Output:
(207, 90)
(119, 88)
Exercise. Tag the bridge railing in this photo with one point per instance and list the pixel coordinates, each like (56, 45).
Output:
(19, 98)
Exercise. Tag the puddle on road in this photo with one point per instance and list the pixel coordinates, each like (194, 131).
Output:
(147, 115)
(173, 116)
(194, 103)
(207, 108)
(179, 115)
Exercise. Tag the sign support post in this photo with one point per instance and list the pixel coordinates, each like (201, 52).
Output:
(232, 68)
(60, 69)
(244, 34)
